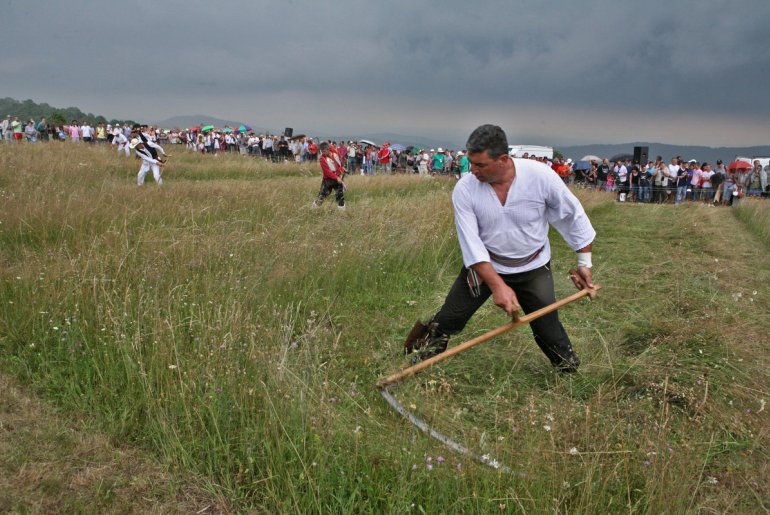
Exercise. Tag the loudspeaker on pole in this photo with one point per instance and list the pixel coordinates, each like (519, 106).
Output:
(641, 155)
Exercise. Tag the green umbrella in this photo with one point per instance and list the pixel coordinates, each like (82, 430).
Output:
(207, 128)
(227, 129)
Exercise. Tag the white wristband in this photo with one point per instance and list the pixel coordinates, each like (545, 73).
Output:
(584, 259)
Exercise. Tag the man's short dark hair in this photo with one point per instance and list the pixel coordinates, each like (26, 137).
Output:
(489, 138)
(323, 146)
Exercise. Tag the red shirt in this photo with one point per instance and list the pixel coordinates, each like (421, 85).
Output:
(330, 168)
(384, 154)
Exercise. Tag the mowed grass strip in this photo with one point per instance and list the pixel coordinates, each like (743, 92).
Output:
(223, 325)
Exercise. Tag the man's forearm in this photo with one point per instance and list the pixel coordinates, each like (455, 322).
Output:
(502, 294)
(488, 274)
(587, 248)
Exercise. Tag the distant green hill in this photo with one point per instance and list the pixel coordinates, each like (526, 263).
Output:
(55, 115)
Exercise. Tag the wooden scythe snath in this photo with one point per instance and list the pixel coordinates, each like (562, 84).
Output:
(386, 382)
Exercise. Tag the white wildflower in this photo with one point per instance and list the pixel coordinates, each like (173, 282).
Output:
(574, 451)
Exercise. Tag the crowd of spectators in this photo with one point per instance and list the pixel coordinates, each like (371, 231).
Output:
(656, 181)
(363, 157)
(674, 182)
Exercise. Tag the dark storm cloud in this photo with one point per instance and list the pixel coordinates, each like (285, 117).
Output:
(596, 55)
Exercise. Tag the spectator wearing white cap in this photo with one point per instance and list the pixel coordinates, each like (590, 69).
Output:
(121, 141)
(463, 164)
(438, 161)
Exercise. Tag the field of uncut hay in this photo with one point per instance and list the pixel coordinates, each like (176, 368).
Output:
(234, 333)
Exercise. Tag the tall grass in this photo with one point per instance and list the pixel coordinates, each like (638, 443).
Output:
(221, 323)
(755, 215)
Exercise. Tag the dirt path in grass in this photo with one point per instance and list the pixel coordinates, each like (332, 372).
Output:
(48, 464)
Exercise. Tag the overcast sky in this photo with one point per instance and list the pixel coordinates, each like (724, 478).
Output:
(556, 72)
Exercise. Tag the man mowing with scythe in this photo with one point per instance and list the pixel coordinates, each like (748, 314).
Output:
(333, 172)
(148, 162)
(503, 210)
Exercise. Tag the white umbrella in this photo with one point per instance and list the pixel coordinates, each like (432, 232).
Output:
(367, 142)
(590, 158)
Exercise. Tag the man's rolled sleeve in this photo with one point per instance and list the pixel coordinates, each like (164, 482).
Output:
(567, 216)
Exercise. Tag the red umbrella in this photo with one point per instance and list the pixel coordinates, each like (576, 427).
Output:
(737, 165)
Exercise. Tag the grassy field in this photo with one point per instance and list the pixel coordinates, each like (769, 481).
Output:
(222, 326)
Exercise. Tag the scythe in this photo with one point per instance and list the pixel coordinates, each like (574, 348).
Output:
(385, 383)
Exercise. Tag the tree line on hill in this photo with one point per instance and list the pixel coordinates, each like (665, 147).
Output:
(29, 109)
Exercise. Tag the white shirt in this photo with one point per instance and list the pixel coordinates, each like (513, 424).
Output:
(674, 171)
(538, 197)
(150, 142)
(706, 176)
(146, 156)
(622, 172)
